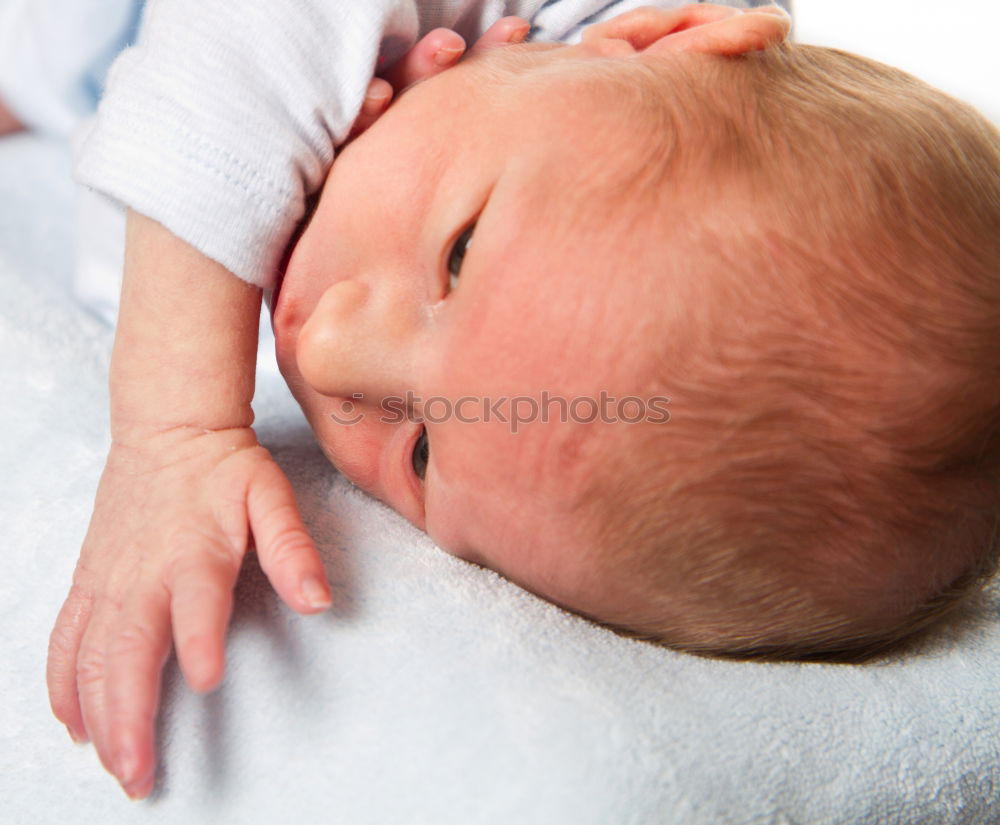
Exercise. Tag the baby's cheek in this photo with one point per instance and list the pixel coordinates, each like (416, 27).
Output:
(447, 518)
(350, 447)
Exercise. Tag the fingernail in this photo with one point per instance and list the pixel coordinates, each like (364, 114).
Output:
(76, 737)
(518, 35)
(139, 792)
(445, 57)
(374, 103)
(128, 768)
(315, 593)
(775, 9)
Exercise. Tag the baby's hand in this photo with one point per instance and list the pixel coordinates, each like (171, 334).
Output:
(171, 525)
(434, 53)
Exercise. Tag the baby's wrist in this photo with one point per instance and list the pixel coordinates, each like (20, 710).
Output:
(131, 430)
(141, 408)
(186, 343)
(149, 442)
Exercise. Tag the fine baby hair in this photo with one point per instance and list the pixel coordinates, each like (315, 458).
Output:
(828, 483)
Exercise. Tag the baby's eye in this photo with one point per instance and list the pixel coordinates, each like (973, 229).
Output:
(457, 255)
(421, 454)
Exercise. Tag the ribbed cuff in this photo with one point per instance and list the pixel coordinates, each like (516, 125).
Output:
(145, 157)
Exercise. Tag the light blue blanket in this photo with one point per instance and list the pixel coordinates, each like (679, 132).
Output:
(434, 691)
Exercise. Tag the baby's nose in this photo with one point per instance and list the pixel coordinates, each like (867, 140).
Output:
(352, 344)
(342, 298)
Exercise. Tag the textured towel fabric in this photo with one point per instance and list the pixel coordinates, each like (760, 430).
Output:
(433, 691)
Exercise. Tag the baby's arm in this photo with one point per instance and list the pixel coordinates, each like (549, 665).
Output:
(185, 484)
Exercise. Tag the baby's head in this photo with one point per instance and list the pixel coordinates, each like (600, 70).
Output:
(797, 247)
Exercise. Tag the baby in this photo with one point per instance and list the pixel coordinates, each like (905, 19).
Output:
(799, 248)
(771, 272)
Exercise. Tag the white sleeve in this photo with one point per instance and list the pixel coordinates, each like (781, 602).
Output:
(225, 115)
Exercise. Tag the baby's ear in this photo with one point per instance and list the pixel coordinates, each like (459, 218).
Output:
(704, 27)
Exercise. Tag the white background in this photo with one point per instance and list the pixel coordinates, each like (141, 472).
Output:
(952, 44)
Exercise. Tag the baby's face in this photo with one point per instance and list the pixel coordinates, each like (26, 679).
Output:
(381, 319)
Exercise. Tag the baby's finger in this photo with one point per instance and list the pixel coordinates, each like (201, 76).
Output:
(64, 648)
(377, 100)
(8, 121)
(201, 602)
(773, 8)
(91, 677)
(435, 52)
(734, 36)
(504, 32)
(139, 647)
(287, 554)
(646, 24)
